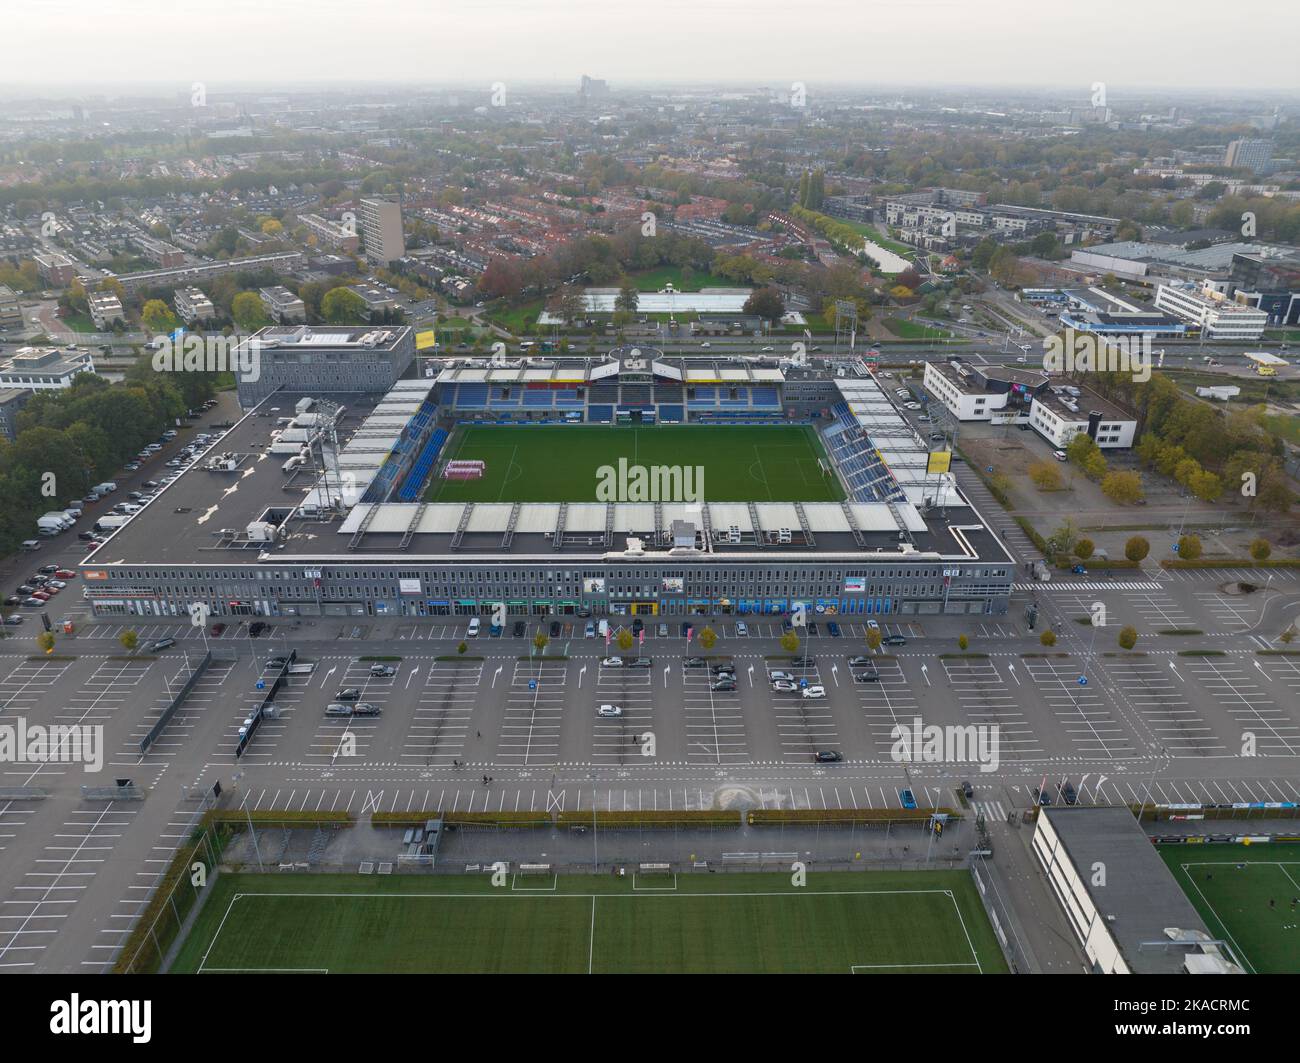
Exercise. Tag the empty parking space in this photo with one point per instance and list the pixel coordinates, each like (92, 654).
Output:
(1083, 713)
(715, 722)
(25, 685)
(1158, 610)
(618, 739)
(273, 728)
(1249, 697)
(986, 700)
(888, 702)
(436, 736)
(206, 693)
(1229, 612)
(535, 703)
(1152, 688)
(804, 725)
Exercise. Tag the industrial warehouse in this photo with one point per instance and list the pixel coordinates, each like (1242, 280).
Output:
(456, 492)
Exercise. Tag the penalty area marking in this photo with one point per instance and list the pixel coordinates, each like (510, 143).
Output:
(514, 878)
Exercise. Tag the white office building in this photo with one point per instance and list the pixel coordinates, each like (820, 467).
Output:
(381, 230)
(1212, 313)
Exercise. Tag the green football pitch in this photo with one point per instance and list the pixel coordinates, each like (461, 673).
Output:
(1234, 901)
(842, 923)
(560, 463)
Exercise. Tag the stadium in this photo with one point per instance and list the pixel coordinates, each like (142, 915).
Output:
(624, 484)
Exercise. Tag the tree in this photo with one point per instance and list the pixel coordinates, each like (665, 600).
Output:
(129, 640)
(963, 641)
(624, 639)
(873, 638)
(247, 311)
(540, 641)
(569, 304)
(1122, 487)
(342, 306)
(463, 648)
(1063, 539)
(1083, 451)
(45, 640)
(708, 638)
(1137, 548)
(157, 316)
(1046, 476)
(790, 642)
(1189, 547)
(1083, 549)
(766, 303)
(1128, 637)
(1048, 637)
(628, 298)
(1205, 485)
(1260, 549)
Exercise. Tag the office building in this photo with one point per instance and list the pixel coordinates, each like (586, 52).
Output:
(1249, 154)
(336, 359)
(1211, 314)
(43, 368)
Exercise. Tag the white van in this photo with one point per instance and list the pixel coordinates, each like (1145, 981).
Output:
(472, 632)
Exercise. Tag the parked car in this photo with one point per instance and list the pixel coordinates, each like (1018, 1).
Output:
(1041, 796)
(861, 662)
(893, 640)
(520, 629)
(161, 644)
(65, 573)
(827, 756)
(968, 791)
(723, 684)
(873, 625)
(741, 629)
(555, 629)
(779, 675)
(908, 799)
(1079, 570)
(217, 630)
(866, 677)
(717, 669)
(13, 620)
(834, 629)
(590, 630)
(1060, 455)
(609, 711)
(365, 708)
(1068, 793)
(814, 692)
(382, 671)
(694, 662)
(32, 603)
(637, 625)
(663, 631)
(48, 570)
(803, 662)
(785, 686)
(612, 662)
(638, 662)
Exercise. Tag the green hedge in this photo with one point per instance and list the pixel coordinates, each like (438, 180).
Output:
(273, 818)
(707, 817)
(467, 819)
(770, 817)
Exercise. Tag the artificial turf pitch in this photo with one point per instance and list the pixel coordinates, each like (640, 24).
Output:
(840, 923)
(558, 463)
(1234, 901)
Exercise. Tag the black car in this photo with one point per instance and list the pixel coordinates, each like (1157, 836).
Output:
(813, 629)
(256, 628)
(866, 677)
(519, 629)
(26, 589)
(348, 694)
(827, 756)
(48, 570)
(694, 662)
(967, 790)
(803, 662)
(637, 625)
(555, 629)
(85, 537)
(724, 685)
(894, 640)
(1068, 794)
(14, 599)
(1042, 797)
(686, 628)
(718, 669)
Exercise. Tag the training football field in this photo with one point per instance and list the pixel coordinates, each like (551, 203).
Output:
(560, 463)
(840, 923)
(1234, 901)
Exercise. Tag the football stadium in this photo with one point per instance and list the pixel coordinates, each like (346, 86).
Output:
(623, 484)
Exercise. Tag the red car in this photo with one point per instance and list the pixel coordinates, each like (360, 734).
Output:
(65, 573)
(217, 629)
(44, 596)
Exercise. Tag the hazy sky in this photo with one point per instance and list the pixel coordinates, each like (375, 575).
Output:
(1176, 43)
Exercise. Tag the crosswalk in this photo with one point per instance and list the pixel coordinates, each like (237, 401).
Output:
(1089, 585)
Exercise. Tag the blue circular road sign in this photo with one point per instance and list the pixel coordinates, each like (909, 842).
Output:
(1083, 680)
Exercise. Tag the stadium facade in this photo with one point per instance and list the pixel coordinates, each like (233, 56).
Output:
(326, 512)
